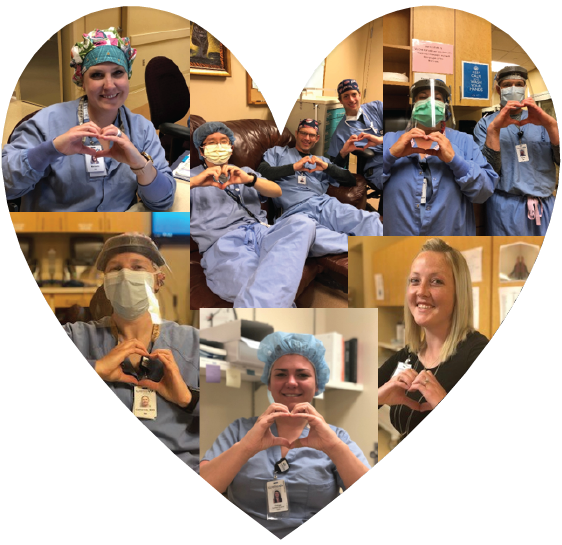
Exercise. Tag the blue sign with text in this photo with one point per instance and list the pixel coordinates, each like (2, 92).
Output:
(475, 82)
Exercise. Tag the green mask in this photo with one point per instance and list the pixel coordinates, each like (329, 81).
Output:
(422, 112)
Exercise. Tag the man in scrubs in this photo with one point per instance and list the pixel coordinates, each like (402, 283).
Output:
(246, 261)
(523, 146)
(362, 125)
(433, 174)
(304, 179)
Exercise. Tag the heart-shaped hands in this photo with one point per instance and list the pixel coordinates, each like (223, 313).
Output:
(260, 437)
(416, 141)
(221, 177)
(109, 367)
(122, 150)
(70, 142)
(320, 436)
(171, 387)
(395, 390)
(310, 164)
(537, 116)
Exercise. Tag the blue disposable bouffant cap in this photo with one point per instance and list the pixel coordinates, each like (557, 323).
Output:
(280, 344)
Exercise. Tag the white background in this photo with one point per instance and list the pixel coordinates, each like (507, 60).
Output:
(78, 468)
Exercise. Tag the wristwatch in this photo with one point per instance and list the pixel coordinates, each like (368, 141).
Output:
(252, 183)
(144, 169)
(194, 399)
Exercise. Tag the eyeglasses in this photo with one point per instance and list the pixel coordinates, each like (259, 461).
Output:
(307, 134)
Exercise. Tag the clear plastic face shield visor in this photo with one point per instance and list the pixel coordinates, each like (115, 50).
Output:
(133, 274)
(429, 112)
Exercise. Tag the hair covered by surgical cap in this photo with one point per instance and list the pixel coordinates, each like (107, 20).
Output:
(101, 46)
(209, 128)
(280, 344)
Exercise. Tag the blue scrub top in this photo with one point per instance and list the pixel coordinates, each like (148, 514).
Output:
(535, 177)
(372, 124)
(312, 479)
(317, 183)
(63, 183)
(467, 179)
(172, 424)
(214, 213)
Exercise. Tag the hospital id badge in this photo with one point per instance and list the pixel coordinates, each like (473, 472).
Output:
(144, 403)
(301, 180)
(522, 153)
(277, 498)
(95, 165)
(402, 366)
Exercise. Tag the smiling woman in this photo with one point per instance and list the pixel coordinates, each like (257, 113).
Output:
(441, 343)
(286, 465)
(91, 154)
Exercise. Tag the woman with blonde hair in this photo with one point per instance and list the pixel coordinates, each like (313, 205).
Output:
(441, 343)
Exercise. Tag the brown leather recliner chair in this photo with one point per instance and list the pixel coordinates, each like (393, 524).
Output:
(253, 138)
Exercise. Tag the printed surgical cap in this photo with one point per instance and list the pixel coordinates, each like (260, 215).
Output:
(101, 46)
(209, 128)
(347, 85)
(311, 123)
(280, 344)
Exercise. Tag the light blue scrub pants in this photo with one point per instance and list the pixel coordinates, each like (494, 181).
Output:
(259, 267)
(334, 222)
(507, 216)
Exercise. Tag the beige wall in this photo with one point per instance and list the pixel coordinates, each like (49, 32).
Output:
(536, 83)
(218, 98)
(354, 411)
(358, 57)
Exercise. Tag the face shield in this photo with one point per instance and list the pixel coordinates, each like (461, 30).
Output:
(429, 112)
(131, 264)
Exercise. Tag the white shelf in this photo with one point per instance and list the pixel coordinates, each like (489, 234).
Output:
(224, 365)
(344, 386)
(391, 346)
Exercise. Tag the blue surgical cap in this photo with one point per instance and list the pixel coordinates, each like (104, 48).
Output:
(279, 344)
(206, 129)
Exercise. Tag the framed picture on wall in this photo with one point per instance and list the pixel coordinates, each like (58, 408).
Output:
(253, 95)
(207, 56)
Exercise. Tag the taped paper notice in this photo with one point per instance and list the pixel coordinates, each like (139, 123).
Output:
(233, 378)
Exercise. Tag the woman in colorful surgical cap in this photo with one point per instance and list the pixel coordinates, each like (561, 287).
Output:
(116, 345)
(290, 448)
(433, 174)
(90, 154)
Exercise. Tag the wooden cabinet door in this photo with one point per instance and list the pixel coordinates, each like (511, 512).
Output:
(435, 24)
(474, 44)
(85, 222)
(24, 222)
(125, 222)
(51, 222)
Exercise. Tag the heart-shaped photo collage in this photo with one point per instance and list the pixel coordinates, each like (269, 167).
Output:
(345, 270)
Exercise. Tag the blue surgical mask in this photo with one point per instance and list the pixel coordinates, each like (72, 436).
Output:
(512, 93)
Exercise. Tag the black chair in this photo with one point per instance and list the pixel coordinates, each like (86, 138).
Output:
(168, 100)
(373, 192)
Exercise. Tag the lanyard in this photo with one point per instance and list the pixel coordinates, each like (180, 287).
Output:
(83, 116)
(238, 200)
(365, 120)
(115, 332)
